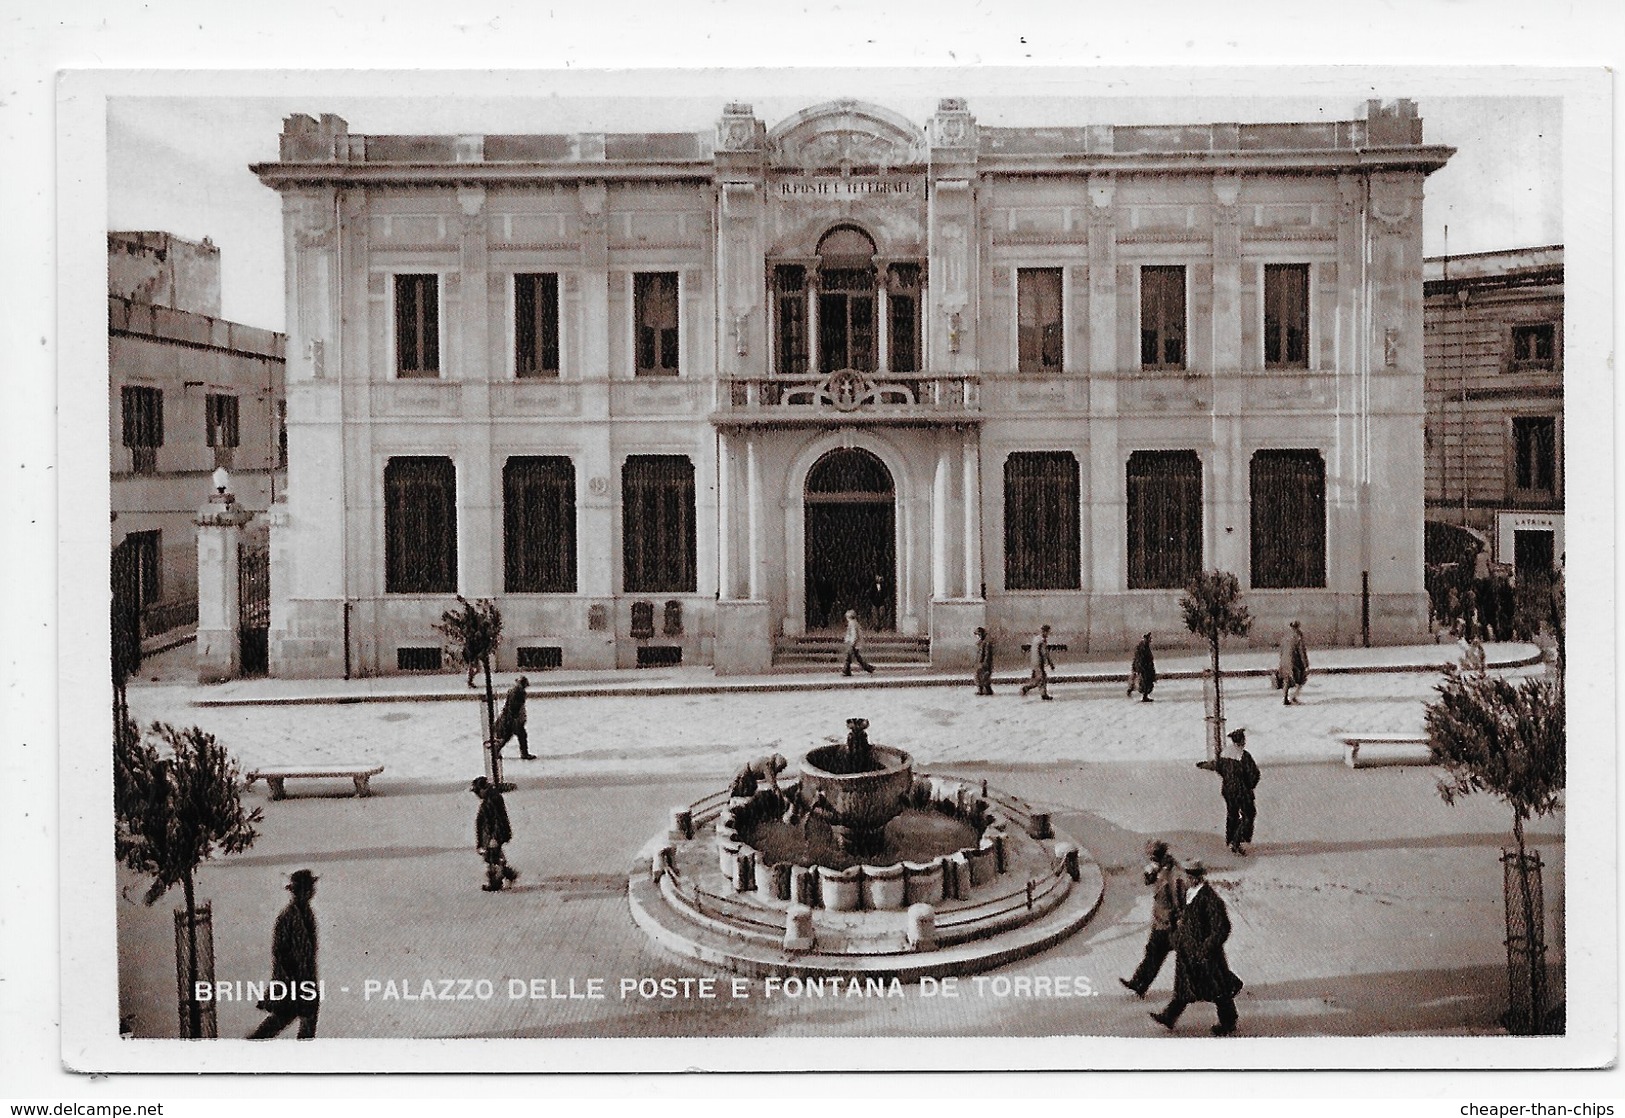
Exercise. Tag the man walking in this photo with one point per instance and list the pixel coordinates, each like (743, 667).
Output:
(1042, 665)
(854, 634)
(1238, 776)
(1293, 667)
(1142, 670)
(984, 663)
(511, 722)
(1167, 899)
(1201, 971)
(492, 832)
(293, 964)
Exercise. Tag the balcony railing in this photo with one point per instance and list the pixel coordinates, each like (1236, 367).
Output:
(849, 394)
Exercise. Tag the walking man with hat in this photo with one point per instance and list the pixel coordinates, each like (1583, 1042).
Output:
(1168, 886)
(1201, 971)
(511, 722)
(492, 832)
(294, 992)
(1042, 665)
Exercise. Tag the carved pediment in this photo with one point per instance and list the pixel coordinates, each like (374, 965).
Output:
(846, 134)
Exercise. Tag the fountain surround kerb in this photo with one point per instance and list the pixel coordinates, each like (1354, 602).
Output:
(857, 805)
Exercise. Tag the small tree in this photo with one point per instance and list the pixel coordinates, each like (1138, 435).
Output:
(177, 802)
(1507, 739)
(1213, 610)
(472, 632)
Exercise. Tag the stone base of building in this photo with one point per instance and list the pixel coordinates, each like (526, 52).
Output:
(744, 644)
(953, 632)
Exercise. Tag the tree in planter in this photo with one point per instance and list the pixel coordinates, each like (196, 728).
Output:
(177, 800)
(1213, 610)
(472, 632)
(1510, 740)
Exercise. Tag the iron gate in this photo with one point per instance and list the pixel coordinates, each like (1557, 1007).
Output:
(254, 607)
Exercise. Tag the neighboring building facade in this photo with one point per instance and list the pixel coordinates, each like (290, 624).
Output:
(693, 395)
(187, 392)
(1494, 338)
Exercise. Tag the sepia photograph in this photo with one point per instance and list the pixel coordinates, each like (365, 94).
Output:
(846, 570)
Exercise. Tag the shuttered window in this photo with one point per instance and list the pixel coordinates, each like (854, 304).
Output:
(1038, 320)
(1162, 317)
(420, 526)
(1041, 521)
(1164, 518)
(539, 525)
(143, 410)
(417, 326)
(790, 297)
(654, 309)
(1535, 454)
(221, 414)
(657, 525)
(903, 318)
(536, 325)
(1286, 316)
(1288, 519)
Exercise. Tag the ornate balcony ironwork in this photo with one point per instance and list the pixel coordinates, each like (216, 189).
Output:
(848, 396)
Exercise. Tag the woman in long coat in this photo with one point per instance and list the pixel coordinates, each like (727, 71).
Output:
(1143, 670)
(1294, 664)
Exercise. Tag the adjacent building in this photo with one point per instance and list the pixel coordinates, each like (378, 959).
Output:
(187, 392)
(1494, 338)
(690, 397)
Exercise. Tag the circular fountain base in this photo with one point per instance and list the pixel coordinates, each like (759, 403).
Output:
(740, 914)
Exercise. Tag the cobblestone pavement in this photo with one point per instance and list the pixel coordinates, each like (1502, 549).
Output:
(1368, 907)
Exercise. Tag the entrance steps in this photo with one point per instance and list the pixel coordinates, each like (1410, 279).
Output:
(828, 650)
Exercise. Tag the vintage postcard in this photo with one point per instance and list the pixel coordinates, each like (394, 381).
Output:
(754, 570)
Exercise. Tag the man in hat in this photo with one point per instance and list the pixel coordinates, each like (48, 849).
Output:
(1201, 971)
(1167, 900)
(1238, 776)
(492, 832)
(854, 634)
(511, 722)
(1293, 667)
(293, 965)
(1143, 670)
(984, 663)
(1042, 665)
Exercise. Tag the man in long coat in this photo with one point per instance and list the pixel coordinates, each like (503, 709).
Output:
(492, 832)
(1143, 670)
(1041, 664)
(1201, 971)
(293, 964)
(1294, 662)
(511, 722)
(984, 663)
(1167, 883)
(1238, 777)
(854, 636)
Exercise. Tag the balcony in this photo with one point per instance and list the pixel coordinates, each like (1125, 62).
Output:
(848, 396)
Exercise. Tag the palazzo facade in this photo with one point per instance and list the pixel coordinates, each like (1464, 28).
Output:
(691, 396)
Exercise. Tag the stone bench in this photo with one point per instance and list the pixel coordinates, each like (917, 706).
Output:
(1363, 751)
(276, 777)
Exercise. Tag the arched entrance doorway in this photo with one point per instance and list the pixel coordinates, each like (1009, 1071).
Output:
(851, 541)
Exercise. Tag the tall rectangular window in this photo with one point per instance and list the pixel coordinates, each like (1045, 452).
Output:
(1162, 317)
(1288, 519)
(220, 413)
(536, 325)
(1534, 441)
(657, 524)
(1041, 521)
(790, 311)
(539, 525)
(282, 434)
(420, 526)
(1286, 316)
(417, 326)
(143, 409)
(1038, 320)
(1164, 518)
(903, 318)
(654, 311)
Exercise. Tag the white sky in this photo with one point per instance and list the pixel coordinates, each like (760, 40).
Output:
(180, 163)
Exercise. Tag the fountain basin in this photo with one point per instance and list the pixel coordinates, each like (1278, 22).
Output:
(861, 803)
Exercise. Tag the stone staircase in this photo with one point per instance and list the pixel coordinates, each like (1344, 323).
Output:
(826, 651)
